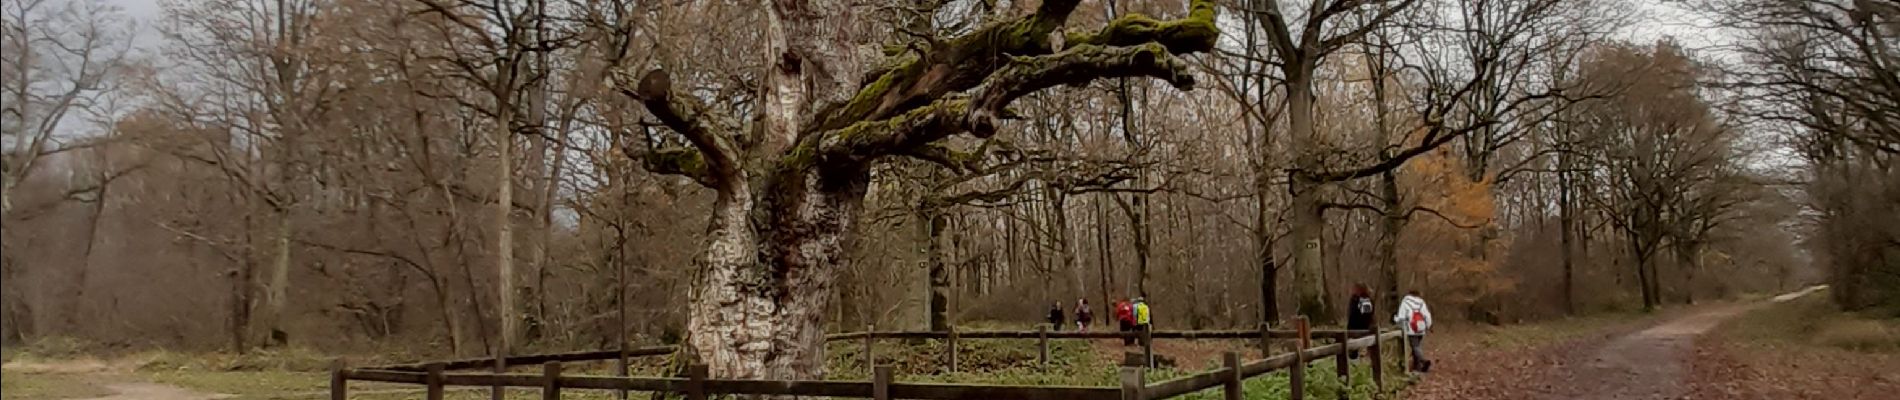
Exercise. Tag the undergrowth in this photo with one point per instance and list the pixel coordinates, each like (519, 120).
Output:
(1814, 321)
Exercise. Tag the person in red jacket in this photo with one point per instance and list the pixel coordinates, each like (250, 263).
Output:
(1125, 314)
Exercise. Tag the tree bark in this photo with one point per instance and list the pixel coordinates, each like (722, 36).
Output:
(278, 296)
(1308, 218)
(933, 224)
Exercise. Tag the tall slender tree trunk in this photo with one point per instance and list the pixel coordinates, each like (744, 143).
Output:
(1106, 260)
(932, 225)
(509, 313)
(1263, 248)
(76, 305)
(1567, 224)
(278, 296)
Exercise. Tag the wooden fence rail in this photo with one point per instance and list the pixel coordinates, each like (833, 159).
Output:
(696, 386)
(1041, 334)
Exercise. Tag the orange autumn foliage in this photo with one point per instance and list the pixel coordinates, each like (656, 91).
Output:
(1453, 260)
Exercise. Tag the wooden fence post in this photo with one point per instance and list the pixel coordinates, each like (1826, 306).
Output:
(696, 382)
(1305, 331)
(881, 383)
(339, 380)
(1378, 365)
(1405, 352)
(1266, 341)
(1340, 363)
(1231, 360)
(870, 359)
(551, 381)
(1297, 373)
(1148, 345)
(434, 380)
(1042, 346)
(620, 368)
(1132, 384)
(953, 349)
(497, 392)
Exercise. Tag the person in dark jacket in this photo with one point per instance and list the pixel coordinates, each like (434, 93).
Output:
(1359, 311)
(1055, 316)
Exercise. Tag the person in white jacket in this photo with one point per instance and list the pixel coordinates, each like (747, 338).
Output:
(1414, 318)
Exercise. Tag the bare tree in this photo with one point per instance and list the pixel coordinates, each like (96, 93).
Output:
(58, 62)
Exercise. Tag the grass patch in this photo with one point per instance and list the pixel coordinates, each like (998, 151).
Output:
(23, 386)
(244, 384)
(1814, 321)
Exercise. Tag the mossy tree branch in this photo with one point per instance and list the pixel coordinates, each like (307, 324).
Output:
(714, 159)
(977, 114)
(965, 62)
(680, 161)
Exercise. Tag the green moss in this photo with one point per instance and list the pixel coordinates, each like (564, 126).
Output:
(685, 161)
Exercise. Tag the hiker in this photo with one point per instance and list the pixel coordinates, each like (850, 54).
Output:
(1415, 319)
(1055, 316)
(1125, 315)
(1083, 315)
(1359, 312)
(1142, 320)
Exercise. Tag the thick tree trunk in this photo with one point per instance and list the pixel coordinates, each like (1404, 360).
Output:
(767, 275)
(1307, 219)
(1308, 225)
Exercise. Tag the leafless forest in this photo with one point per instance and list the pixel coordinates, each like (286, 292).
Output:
(473, 176)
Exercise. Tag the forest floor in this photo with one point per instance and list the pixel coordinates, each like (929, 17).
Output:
(1686, 353)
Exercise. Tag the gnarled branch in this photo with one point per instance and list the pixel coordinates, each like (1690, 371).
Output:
(716, 159)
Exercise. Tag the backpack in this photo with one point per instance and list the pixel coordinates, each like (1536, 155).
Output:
(1418, 321)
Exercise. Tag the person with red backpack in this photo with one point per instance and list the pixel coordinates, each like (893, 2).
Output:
(1125, 314)
(1414, 318)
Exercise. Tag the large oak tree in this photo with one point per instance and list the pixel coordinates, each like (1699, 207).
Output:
(790, 184)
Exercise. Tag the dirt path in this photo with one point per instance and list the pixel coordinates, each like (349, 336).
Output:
(153, 391)
(114, 379)
(1620, 363)
(1645, 365)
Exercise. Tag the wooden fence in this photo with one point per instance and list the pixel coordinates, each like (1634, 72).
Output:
(436, 377)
